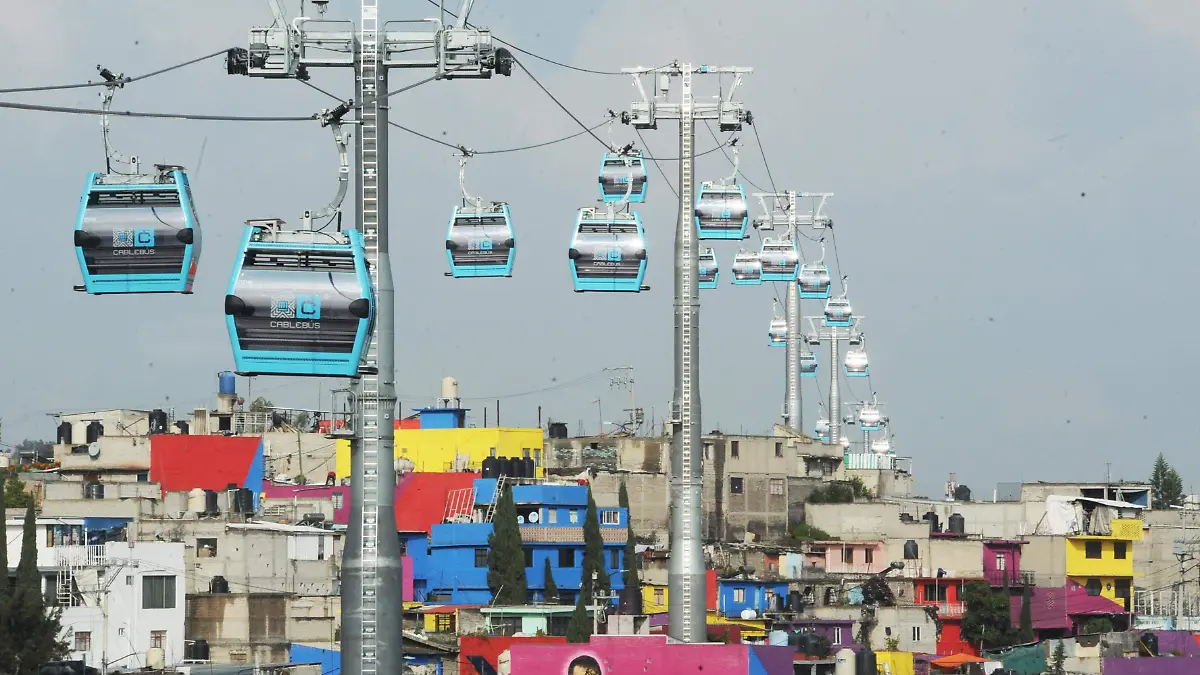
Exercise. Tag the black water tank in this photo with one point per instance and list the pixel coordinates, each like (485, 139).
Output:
(932, 518)
(865, 663)
(515, 467)
(530, 467)
(93, 490)
(244, 500)
(64, 433)
(158, 421)
(491, 467)
(182, 427)
(1149, 642)
(276, 419)
(629, 600)
(211, 507)
(910, 550)
(200, 649)
(957, 524)
(218, 585)
(795, 602)
(94, 431)
(558, 430)
(906, 518)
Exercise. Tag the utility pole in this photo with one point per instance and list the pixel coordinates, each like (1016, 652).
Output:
(372, 619)
(784, 212)
(686, 580)
(834, 335)
(625, 379)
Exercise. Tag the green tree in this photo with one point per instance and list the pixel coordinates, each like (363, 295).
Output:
(32, 630)
(1058, 662)
(261, 405)
(1025, 633)
(506, 557)
(15, 496)
(593, 553)
(632, 563)
(579, 628)
(988, 616)
(1166, 484)
(6, 645)
(551, 593)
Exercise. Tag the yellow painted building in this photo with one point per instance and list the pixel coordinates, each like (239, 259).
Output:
(654, 598)
(439, 450)
(1104, 563)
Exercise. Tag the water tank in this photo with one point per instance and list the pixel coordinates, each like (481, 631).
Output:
(64, 433)
(218, 585)
(777, 638)
(195, 501)
(449, 388)
(957, 524)
(910, 550)
(558, 430)
(182, 427)
(516, 467)
(226, 382)
(94, 431)
(530, 467)
(844, 662)
(1149, 642)
(155, 658)
(865, 663)
(200, 650)
(211, 505)
(158, 421)
(795, 602)
(932, 518)
(244, 500)
(491, 467)
(93, 490)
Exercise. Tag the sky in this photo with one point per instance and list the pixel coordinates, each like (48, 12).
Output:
(1013, 206)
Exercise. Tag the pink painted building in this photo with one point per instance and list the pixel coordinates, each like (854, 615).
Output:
(848, 557)
(649, 655)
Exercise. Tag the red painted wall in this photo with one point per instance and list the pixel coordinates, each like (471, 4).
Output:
(490, 648)
(182, 463)
(951, 641)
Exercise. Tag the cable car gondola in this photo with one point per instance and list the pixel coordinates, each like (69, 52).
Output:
(821, 431)
(300, 302)
(708, 271)
(780, 259)
(814, 279)
(808, 364)
(881, 446)
(856, 363)
(721, 208)
(777, 333)
(479, 241)
(747, 269)
(608, 252)
(623, 177)
(869, 417)
(137, 233)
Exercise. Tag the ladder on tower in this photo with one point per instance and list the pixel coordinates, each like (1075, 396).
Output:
(368, 400)
(491, 509)
(688, 269)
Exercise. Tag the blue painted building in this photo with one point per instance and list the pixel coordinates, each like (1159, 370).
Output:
(451, 566)
(736, 595)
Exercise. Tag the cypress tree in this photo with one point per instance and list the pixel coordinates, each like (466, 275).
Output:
(593, 553)
(632, 564)
(32, 630)
(579, 628)
(6, 647)
(551, 594)
(506, 558)
(1025, 634)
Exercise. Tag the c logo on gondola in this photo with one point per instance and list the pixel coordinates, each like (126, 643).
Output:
(137, 238)
(304, 307)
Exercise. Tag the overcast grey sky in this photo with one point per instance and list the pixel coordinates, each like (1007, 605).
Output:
(1013, 205)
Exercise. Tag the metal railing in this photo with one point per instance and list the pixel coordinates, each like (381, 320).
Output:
(1008, 577)
(91, 555)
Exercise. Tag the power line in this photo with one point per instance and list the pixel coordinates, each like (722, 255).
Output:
(133, 113)
(559, 385)
(124, 80)
(656, 164)
(741, 173)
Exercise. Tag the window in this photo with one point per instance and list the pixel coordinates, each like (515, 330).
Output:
(708, 451)
(615, 559)
(491, 452)
(337, 501)
(1119, 550)
(868, 555)
(1001, 562)
(443, 623)
(736, 486)
(525, 453)
(733, 448)
(83, 641)
(143, 476)
(158, 638)
(158, 592)
(610, 517)
(848, 555)
(551, 516)
(837, 635)
(659, 596)
(537, 456)
(776, 486)
(574, 516)
(1093, 587)
(206, 548)
(566, 557)
(739, 595)
(779, 449)
(1092, 549)
(128, 579)
(481, 557)
(916, 633)
(528, 558)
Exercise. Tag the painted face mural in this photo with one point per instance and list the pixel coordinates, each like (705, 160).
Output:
(584, 665)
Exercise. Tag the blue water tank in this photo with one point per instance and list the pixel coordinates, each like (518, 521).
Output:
(226, 382)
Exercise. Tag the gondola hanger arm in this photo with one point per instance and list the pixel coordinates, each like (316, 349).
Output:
(333, 120)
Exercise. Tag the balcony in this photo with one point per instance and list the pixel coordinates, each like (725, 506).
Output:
(81, 556)
(1012, 578)
(947, 610)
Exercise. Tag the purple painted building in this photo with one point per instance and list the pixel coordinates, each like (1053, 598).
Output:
(1060, 609)
(1164, 665)
(1002, 563)
(649, 655)
(839, 632)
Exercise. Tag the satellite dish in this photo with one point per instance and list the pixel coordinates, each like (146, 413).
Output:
(94, 449)
(520, 520)
(748, 614)
(533, 517)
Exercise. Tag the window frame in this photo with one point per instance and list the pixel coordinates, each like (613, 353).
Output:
(1120, 550)
(776, 486)
(169, 591)
(1093, 546)
(737, 485)
(484, 552)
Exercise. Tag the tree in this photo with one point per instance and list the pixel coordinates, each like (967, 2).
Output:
(32, 630)
(506, 558)
(962, 493)
(1058, 662)
(632, 563)
(6, 646)
(36, 450)
(579, 628)
(15, 496)
(593, 553)
(988, 616)
(1166, 484)
(303, 421)
(1025, 634)
(261, 405)
(551, 593)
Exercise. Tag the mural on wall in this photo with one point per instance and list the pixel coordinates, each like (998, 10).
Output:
(584, 665)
